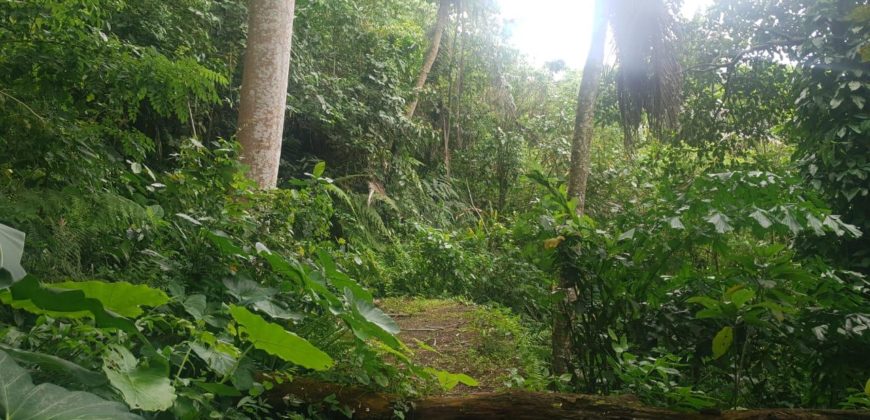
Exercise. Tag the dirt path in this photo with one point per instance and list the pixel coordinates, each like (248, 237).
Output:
(444, 335)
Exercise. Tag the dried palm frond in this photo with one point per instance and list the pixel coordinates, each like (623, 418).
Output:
(649, 76)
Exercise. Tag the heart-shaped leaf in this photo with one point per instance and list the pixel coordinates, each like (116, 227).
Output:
(20, 399)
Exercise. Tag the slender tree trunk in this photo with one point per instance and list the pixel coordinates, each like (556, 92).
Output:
(264, 87)
(579, 172)
(431, 55)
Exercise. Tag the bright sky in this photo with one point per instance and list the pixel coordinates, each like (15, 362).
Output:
(547, 30)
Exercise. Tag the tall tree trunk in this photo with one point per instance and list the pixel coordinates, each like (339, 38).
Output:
(264, 87)
(580, 150)
(431, 55)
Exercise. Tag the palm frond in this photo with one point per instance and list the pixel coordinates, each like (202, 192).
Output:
(649, 75)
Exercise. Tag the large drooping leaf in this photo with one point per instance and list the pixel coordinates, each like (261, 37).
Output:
(20, 399)
(376, 316)
(277, 341)
(56, 365)
(366, 321)
(11, 249)
(144, 388)
(29, 295)
(122, 298)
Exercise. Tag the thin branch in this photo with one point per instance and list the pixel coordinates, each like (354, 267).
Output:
(41, 118)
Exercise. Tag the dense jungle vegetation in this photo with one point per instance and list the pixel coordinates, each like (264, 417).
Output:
(681, 220)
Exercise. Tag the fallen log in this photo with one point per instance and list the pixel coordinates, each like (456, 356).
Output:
(520, 405)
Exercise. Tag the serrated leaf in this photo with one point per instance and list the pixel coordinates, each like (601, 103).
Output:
(722, 342)
(275, 340)
(21, 400)
(143, 388)
(720, 222)
(815, 225)
(789, 221)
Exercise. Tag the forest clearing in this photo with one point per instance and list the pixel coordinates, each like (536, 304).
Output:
(434, 209)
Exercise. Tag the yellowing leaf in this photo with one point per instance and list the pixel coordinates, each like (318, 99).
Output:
(552, 243)
(722, 342)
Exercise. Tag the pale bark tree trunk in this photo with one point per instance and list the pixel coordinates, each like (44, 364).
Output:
(579, 172)
(431, 55)
(264, 87)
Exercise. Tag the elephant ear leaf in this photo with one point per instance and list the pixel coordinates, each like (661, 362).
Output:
(20, 399)
(275, 340)
(11, 249)
(143, 387)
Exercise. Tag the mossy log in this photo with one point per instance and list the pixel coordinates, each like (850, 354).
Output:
(520, 405)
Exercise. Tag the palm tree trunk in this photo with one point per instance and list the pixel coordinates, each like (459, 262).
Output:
(580, 149)
(264, 87)
(431, 55)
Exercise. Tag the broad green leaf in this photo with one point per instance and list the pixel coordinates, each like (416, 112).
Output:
(374, 315)
(449, 380)
(122, 298)
(247, 290)
(224, 243)
(29, 295)
(143, 388)
(218, 389)
(319, 168)
(722, 342)
(277, 341)
(676, 223)
(21, 400)
(220, 362)
(11, 250)
(341, 280)
(740, 297)
(56, 365)
(867, 388)
(708, 302)
(196, 305)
